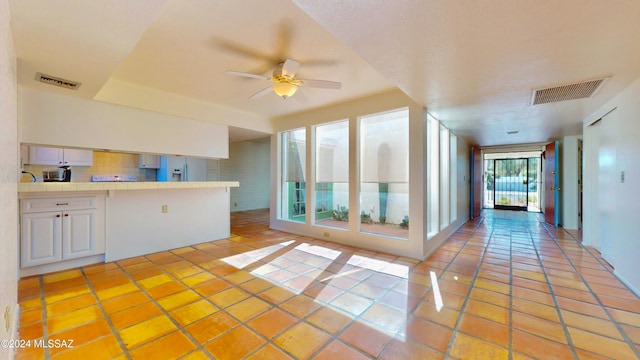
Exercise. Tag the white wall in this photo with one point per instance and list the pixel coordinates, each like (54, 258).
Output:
(52, 119)
(137, 226)
(249, 164)
(614, 210)
(8, 181)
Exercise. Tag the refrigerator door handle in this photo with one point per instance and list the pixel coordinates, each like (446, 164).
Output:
(185, 173)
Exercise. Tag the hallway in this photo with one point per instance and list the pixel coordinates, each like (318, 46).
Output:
(503, 286)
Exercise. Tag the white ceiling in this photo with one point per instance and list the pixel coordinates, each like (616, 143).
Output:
(473, 64)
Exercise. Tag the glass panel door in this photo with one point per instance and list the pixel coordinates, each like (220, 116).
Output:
(511, 182)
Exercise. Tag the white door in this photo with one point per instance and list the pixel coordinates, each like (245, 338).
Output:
(41, 238)
(78, 231)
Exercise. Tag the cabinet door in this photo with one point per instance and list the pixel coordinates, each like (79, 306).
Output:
(78, 233)
(41, 238)
(39, 155)
(150, 161)
(78, 157)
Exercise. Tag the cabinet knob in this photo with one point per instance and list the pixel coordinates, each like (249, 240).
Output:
(58, 215)
(66, 214)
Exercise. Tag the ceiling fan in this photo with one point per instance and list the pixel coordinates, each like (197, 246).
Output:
(284, 80)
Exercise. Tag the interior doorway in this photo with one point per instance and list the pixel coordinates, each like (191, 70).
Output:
(512, 181)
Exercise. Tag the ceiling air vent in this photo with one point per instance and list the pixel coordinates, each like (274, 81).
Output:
(574, 91)
(52, 80)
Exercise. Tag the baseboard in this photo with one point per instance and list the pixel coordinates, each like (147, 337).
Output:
(628, 284)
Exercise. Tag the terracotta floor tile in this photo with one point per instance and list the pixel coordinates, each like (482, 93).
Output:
(324, 293)
(631, 305)
(229, 297)
(134, 315)
(65, 293)
(145, 331)
(171, 346)
(300, 305)
(211, 287)
(384, 317)
(485, 329)
(408, 350)
(351, 303)
(581, 307)
(535, 309)
(73, 318)
(256, 285)
(589, 323)
(272, 323)
(365, 338)
(235, 344)
(276, 295)
(428, 333)
(600, 344)
(269, 352)
(536, 326)
(490, 297)
(632, 332)
(338, 350)
(123, 302)
(178, 299)
(116, 291)
(154, 281)
(493, 286)
(330, 320)
(195, 311)
(540, 348)
(104, 348)
(532, 295)
(71, 304)
(82, 334)
(430, 312)
(30, 316)
(625, 317)
(464, 345)
(587, 355)
(165, 289)
(248, 308)
(32, 331)
(146, 273)
(211, 326)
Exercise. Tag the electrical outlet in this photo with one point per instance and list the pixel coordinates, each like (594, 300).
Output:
(235, 204)
(7, 318)
(165, 209)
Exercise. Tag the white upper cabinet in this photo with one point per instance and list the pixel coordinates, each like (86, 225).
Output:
(39, 155)
(149, 161)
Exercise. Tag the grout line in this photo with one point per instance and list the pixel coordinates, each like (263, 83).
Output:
(106, 316)
(45, 317)
(627, 340)
(511, 294)
(565, 328)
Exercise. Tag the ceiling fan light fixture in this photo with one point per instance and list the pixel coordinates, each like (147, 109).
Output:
(285, 89)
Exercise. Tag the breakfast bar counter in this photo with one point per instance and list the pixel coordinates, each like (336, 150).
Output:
(119, 220)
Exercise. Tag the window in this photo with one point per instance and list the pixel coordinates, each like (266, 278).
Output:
(444, 177)
(453, 170)
(384, 173)
(293, 204)
(433, 176)
(332, 174)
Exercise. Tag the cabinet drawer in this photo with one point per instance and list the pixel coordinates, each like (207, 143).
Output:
(59, 204)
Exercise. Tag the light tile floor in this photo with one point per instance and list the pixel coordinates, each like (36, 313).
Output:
(502, 287)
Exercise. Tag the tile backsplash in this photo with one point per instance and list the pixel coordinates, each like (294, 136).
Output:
(103, 163)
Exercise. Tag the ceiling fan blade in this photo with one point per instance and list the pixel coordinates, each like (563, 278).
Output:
(260, 93)
(321, 84)
(249, 75)
(290, 68)
(245, 51)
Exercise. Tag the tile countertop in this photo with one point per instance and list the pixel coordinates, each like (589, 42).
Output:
(98, 186)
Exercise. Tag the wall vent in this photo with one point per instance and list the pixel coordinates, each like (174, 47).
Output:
(56, 81)
(565, 92)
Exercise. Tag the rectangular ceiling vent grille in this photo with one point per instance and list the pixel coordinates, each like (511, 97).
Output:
(56, 81)
(575, 91)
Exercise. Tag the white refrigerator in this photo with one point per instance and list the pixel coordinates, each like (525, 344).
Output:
(182, 168)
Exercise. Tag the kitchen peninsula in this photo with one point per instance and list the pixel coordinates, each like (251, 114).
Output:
(109, 221)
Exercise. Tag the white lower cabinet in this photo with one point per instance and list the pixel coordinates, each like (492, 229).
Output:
(59, 229)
